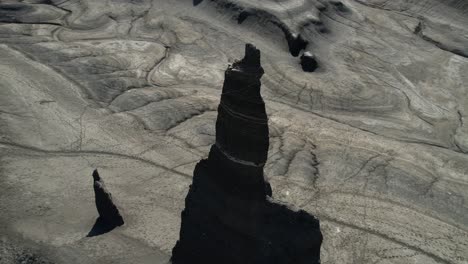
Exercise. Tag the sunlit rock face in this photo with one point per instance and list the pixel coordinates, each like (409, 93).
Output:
(373, 142)
(228, 218)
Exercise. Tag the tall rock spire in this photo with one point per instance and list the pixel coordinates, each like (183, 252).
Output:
(228, 216)
(242, 124)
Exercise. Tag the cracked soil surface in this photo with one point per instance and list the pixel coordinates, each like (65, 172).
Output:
(374, 142)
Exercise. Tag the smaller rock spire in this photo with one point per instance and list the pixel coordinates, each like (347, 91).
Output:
(108, 212)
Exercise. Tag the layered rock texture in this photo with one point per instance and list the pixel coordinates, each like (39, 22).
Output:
(374, 142)
(228, 218)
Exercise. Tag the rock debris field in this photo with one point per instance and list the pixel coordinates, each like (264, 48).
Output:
(367, 105)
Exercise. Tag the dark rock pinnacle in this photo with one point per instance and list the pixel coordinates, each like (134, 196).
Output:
(228, 216)
(108, 213)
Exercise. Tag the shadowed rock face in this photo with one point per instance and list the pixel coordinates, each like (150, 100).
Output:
(109, 215)
(228, 217)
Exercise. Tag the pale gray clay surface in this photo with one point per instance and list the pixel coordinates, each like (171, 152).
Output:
(373, 141)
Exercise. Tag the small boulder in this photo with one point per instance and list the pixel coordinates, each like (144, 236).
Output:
(309, 62)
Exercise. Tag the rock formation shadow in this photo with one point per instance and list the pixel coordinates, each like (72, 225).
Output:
(109, 216)
(229, 217)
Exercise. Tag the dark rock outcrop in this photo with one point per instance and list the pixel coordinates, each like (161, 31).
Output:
(308, 62)
(296, 43)
(229, 217)
(12, 13)
(109, 215)
(197, 2)
(339, 6)
(243, 16)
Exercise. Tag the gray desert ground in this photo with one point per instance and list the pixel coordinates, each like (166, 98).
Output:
(373, 141)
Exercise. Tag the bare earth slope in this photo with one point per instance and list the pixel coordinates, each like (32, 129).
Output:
(374, 142)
